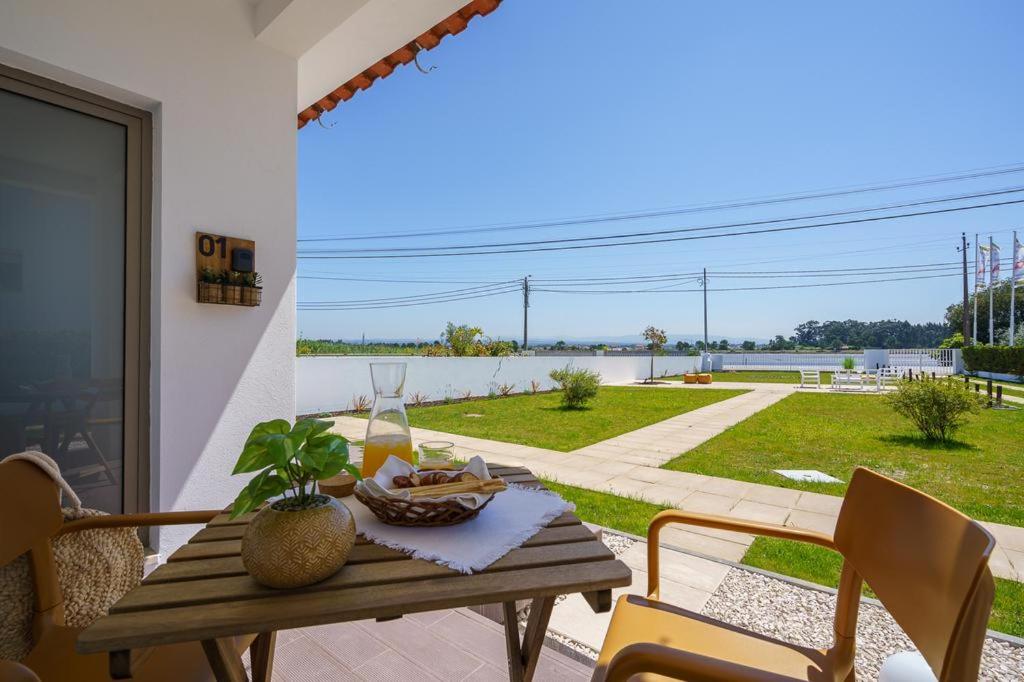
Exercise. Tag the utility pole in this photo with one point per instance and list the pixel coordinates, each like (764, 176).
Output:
(991, 294)
(704, 281)
(526, 306)
(966, 322)
(1013, 288)
(974, 336)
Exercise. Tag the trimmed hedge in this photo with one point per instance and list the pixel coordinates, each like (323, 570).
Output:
(1002, 359)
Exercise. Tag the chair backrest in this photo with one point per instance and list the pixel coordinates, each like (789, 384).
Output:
(29, 509)
(928, 564)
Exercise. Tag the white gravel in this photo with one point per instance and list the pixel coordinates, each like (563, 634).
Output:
(804, 616)
(618, 544)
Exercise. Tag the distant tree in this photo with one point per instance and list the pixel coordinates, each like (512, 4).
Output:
(699, 345)
(723, 344)
(656, 339)
(559, 345)
(782, 343)
(749, 345)
(462, 339)
(954, 341)
(1001, 319)
(681, 346)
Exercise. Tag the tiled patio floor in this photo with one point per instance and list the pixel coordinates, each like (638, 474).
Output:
(440, 645)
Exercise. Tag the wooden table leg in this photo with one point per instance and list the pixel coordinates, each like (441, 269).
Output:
(524, 653)
(225, 662)
(261, 656)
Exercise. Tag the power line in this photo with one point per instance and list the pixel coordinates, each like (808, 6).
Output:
(742, 203)
(398, 299)
(677, 230)
(408, 305)
(400, 281)
(780, 286)
(677, 239)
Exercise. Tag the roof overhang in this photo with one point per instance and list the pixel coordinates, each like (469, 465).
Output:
(355, 42)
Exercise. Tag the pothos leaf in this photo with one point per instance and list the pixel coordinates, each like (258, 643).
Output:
(262, 487)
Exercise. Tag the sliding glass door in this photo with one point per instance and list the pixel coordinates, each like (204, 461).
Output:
(72, 356)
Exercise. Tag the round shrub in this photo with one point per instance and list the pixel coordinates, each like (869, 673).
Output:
(578, 385)
(937, 408)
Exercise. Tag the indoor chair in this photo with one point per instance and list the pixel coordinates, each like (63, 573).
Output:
(926, 562)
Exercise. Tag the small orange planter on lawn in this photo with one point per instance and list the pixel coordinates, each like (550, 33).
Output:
(703, 378)
(689, 378)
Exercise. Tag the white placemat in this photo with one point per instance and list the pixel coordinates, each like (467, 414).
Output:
(512, 518)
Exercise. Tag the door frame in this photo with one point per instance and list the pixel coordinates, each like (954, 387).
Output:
(138, 125)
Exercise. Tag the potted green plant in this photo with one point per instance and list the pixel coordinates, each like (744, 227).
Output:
(233, 286)
(210, 285)
(251, 289)
(303, 537)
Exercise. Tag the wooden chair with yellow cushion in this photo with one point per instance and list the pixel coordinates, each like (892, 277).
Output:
(30, 517)
(927, 562)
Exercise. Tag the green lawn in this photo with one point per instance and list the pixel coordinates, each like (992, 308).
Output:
(796, 559)
(979, 473)
(757, 377)
(540, 420)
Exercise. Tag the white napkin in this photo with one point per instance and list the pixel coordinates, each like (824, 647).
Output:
(513, 517)
(382, 482)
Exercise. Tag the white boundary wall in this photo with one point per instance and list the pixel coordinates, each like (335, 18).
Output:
(329, 383)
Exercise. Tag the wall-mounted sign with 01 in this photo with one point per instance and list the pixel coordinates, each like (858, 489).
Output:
(226, 270)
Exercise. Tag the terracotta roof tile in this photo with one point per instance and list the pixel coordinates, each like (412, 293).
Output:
(430, 39)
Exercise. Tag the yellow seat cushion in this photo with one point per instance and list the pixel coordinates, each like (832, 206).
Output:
(639, 620)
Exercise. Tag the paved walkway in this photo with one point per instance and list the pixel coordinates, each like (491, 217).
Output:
(627, 465)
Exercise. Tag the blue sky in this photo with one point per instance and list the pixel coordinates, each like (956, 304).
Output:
(548, 110)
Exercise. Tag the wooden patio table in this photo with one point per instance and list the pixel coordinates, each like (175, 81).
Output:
(204, 594)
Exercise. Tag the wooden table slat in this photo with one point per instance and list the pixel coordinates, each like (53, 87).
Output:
(307, 608)
(212, 591)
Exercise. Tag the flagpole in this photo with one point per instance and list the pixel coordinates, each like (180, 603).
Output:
(991, 296)
(1013, 285)
(974, 328)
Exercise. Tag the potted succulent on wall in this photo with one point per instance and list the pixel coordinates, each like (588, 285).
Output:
(251, 289)
(303, 537)
(210, 285)
(232, 287)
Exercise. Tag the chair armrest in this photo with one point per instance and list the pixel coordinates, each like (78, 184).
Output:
(647, 657)
(137, 520)
(722, 523)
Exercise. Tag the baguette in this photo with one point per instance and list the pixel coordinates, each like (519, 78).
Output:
(493, 485)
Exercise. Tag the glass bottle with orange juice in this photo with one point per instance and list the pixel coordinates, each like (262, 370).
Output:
(388, 430)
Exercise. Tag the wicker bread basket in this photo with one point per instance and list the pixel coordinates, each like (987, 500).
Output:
(398, 512)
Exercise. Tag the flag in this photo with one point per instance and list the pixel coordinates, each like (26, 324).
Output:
(993, 259)
(1018, 261)
(979, 274)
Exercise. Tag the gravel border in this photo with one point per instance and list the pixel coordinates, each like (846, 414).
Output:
(782, 610)
(802, 613)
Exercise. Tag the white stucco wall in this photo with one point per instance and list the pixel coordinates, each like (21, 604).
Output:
(328, 384)
(224, 161)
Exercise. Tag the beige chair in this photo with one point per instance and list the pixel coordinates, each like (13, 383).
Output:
(29, 517)
(927, 562)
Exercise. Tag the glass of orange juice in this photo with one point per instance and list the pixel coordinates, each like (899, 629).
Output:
(388, 431)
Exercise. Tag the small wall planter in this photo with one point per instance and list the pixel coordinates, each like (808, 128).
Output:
(229, 294)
